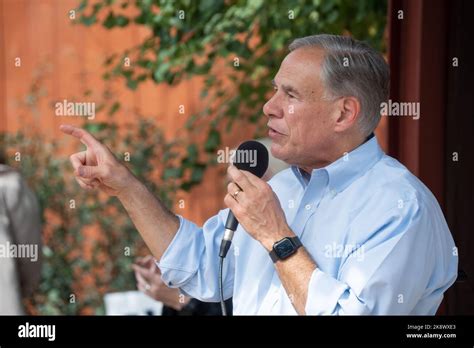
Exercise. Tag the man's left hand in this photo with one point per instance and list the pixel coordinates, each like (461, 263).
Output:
(256, 207)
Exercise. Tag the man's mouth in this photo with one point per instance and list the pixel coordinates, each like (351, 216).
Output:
(274, 131)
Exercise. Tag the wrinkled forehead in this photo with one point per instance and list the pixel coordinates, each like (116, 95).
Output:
(302, 68)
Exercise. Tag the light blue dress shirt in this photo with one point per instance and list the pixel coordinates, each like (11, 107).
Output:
(376, 233)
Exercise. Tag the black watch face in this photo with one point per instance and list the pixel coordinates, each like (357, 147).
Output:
(284, 248)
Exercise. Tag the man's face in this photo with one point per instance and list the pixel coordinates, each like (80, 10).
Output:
(301, 121)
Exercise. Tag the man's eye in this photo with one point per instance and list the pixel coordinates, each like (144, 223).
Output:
(290, 95)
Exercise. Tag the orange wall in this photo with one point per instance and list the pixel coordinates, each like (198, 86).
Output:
(63, 60)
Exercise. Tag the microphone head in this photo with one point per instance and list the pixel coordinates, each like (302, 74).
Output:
(251, 156)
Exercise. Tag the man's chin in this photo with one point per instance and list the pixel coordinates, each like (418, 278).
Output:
(278, 151)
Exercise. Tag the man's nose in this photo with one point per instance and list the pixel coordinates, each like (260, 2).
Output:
(271, 108)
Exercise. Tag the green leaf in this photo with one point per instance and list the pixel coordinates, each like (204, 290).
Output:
(213, 140)
(132, 84)
(113, 21)
(197, 174)
(109, 21)
(159, 73)
(114, 108)
(121, 21)
(172, 173)
(192, 152)
(95, 127)
(88, 20)
(82, 5)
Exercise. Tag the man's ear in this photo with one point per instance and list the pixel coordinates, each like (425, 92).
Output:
(349, 109)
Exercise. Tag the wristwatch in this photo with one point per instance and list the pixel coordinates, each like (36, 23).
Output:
(285, 248)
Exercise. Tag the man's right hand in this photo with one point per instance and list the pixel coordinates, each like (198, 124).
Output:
(97, 167)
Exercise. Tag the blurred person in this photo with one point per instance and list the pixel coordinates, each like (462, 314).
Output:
(149, 282)
(20, 241)
(345, 230)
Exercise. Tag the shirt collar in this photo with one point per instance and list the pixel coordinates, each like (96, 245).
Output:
(349, 167)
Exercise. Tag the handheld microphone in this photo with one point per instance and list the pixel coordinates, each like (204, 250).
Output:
(251, 156)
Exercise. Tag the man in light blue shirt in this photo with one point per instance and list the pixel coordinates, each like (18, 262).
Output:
(375, 232)
(368, 237)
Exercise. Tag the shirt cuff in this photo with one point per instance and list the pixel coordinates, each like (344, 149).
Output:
(324, 292)
(181, 259)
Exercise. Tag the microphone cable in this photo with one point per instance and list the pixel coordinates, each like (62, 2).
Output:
(221, 290)
(225, 246)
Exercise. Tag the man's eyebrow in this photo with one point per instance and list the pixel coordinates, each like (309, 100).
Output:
(287, 88)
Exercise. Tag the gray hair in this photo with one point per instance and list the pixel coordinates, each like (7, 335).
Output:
(352, 68)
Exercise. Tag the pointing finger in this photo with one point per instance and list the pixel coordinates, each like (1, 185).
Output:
(84, 136)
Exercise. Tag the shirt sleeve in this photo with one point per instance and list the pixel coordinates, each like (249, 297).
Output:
(406, 261)
(191, 261)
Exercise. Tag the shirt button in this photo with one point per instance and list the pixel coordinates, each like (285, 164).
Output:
(333, 193)
(307, 206)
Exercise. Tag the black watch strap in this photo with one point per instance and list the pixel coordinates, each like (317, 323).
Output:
(296, 243)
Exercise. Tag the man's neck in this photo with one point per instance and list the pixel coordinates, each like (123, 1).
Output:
(336, 154)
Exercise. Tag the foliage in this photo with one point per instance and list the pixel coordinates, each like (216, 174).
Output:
(236, 45)
(89, 241)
